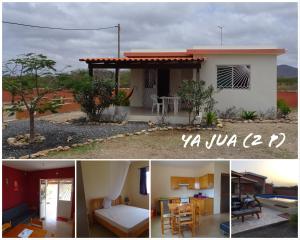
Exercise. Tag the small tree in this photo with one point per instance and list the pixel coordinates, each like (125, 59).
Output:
(94, 96)
(196, 97)
(31, 77)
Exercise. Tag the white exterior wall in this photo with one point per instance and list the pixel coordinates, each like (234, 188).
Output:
(137, 82)
(262, 93)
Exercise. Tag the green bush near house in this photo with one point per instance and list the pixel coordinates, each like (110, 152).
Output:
(294, 219)
(283, 108)
(248, 115)
(196, 97)
(94, 96)
(211, 118)
(121, 99)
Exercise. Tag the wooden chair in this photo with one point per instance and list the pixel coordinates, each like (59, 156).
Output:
(36, 222)
(185, 217)
(165, 216)
(6, 226)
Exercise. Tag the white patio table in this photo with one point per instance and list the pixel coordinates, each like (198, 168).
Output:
(167, 100)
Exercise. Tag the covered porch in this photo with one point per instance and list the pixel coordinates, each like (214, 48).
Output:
(155, 82)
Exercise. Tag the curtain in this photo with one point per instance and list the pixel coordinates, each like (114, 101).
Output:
(117, 175)
(143, 181)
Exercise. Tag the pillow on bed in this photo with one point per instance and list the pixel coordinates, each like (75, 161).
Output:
(106, 203)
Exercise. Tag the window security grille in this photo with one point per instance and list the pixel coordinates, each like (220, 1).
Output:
(233, 76)
(150, 78)
(65, 191)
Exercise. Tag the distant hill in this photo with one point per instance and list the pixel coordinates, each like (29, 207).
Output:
(286, 71)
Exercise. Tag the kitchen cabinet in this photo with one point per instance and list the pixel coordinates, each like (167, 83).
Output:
(174, 183)
(196, 183)
(177, 182)
(206, 181)
(204, 206)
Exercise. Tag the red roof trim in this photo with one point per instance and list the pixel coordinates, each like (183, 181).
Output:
(157, 59)
(157, 54)
(277, 51)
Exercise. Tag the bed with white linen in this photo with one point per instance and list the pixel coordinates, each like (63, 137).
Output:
(123, 220)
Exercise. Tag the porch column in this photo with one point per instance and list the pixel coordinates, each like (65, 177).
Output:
(91, 70)
(239, 187)
(198, 74)
(117, 81)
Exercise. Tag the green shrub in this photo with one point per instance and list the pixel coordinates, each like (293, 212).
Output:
(196, 97)
(283, 108)
(248, 115)
(294, 219)
(211, 118)
(94, 97)
(121, 99)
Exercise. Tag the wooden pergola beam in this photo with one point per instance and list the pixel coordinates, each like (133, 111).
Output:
(144, 65)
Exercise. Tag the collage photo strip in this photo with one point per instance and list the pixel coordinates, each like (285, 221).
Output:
(150, 119)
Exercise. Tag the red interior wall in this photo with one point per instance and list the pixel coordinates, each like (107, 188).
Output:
(29, 185)
(34, 183)
(10, 197)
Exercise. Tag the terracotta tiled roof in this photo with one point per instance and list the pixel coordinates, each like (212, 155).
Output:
(157, 54)
(152, 59)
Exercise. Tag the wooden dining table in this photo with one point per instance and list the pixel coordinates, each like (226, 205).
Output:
(15, 231)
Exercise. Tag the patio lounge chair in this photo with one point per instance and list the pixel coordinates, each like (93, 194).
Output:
(244, 212)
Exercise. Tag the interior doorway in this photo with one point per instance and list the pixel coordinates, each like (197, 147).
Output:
(56, 199)
(51, 200)
(224, 193)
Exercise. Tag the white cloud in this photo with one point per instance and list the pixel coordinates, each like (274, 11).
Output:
(146, 25)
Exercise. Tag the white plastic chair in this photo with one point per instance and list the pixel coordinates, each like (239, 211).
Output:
(155, 103)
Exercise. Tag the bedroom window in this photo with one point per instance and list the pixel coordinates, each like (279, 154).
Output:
(233, 76)
(148, 181)
(144, 181)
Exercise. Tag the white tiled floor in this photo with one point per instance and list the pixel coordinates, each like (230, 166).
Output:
(267, 217)
(58, 229)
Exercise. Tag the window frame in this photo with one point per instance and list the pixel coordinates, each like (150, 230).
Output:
(232, 80)
(148, 184)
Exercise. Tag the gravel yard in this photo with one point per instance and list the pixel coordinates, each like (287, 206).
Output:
(57, 134)
(169, 145)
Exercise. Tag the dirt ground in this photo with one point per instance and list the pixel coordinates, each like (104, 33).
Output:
(169, 145)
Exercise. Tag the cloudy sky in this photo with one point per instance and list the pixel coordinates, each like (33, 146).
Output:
(145, 26)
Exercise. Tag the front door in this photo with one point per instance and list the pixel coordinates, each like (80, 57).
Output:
(43, 189)
(163, 82)
(224, 193)
(64, 204)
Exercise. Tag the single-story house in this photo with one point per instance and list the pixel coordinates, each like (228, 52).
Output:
(245, 76)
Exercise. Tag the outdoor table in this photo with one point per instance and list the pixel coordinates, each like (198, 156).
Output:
(169, 99)
(14, 232)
